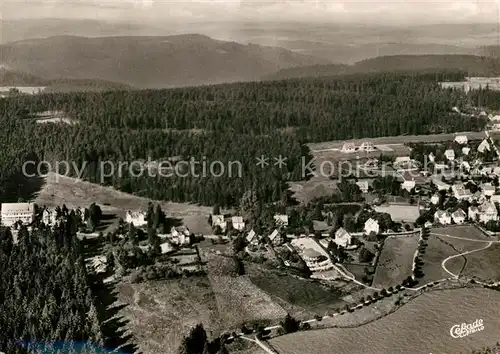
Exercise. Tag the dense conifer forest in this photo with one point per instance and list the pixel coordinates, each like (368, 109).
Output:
(45, 293)
(227, 123)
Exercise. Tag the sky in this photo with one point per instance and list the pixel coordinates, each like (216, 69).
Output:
(395, 11)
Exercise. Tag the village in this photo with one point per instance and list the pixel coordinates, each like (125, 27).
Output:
(435, 184)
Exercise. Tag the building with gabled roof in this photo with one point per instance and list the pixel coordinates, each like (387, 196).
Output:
(281, 219)
(367, 146)
(137, 218)
(343, 238)
(252, 238)
(487, 188)
(473, 213)
(348, 148)
(461, 139)
(484, 146)
(488, 212)
(363, 186)
(450, 154)
(458, 216)
(443, 217)
(238, 223)
(372, 226)
(275, 237)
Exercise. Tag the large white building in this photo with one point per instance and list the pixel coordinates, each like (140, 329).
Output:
(13, 212)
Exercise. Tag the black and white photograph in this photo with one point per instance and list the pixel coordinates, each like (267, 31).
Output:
(249, 177)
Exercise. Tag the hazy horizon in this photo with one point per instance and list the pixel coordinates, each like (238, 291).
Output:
(396, 12)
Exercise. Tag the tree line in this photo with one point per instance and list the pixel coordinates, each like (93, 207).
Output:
(227, 123)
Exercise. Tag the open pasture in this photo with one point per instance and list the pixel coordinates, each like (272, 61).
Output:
(395, 261)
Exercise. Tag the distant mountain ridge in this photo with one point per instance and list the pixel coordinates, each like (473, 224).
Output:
(9, 77)
(153, 62)
(475, 65)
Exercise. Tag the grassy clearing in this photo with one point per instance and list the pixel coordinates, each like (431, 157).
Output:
(59, 190)
(238, 299)
(402, 139)
(429, 316)
(483, 265)
(301, 297)
(464, 231)
(161, 313)
(395, 262)
(437, 250)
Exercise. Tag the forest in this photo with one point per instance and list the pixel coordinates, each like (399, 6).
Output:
(227, 123)
(57, 305)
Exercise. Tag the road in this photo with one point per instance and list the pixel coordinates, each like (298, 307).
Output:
(443, 263)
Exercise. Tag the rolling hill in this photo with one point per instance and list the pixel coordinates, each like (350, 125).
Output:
(475, 65)
(13, 78)
(153, 62)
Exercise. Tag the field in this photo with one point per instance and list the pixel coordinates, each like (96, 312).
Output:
(483, 261)
(432, 316)
(483, 265)
(395, 262)
(59, 190)
(437, 250)
(161, 313)
(300, 297)
(402, 139)
(238, 300)
(461, 231)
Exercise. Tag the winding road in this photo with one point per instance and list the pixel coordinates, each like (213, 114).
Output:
(443, 263)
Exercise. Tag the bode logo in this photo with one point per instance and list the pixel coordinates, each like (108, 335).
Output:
(464, 329)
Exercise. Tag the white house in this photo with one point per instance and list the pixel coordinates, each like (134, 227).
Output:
(181, 237)
(13, 212)
(252, 238)
(443, 217)
(220, 221)
(372, 226)
(363, 186)
(458, 216)
(408, 185)
(461, 139)
(401, 160)
(274, 237)
(342, 238)
(465, 166)
(137, 218)
(487, 212)
(484, 146)
(460, 192)
(450, 154)
(238, 223)
(281, 220)
(473, 213)
(465, 150)
(367, 146)
(435, 199)
(348, 148)
(487, 188)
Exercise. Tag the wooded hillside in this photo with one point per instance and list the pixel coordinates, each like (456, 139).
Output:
(227, 123)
